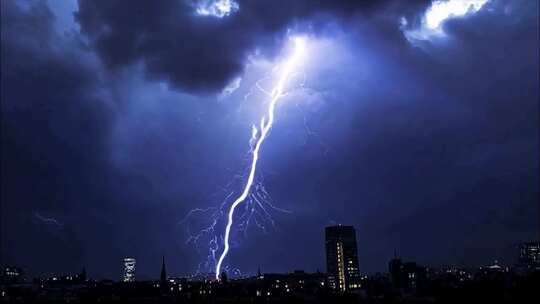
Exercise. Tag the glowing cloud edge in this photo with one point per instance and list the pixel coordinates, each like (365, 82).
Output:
(435, 16)
(216, 8)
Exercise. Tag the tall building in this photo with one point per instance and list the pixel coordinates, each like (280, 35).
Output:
(163, 277)
(342, 258)
(395, 268)
(82, 275)
(529, 254)
(129, 270)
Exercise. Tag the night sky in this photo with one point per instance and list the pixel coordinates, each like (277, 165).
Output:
(119, 117)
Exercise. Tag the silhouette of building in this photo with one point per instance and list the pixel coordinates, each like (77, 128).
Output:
(12, 274)
(129, 270)
(529, 254)
(407, 276)
(415, 275)
(283, 284)
(82, 275)
(163, 277)
(342, 258)
(395, 268)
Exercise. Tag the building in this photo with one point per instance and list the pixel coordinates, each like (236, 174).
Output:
(414, 275)
(283, 284)
(395, 268)
(12, 274)
(82, 276)
(342, 258)
(163, 277)
(129, 270)
(529, 254)
(406, 276)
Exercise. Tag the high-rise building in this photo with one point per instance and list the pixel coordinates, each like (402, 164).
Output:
(129, 270)
(342, 258)
(395, 268)
(82, 275)
(529, 253)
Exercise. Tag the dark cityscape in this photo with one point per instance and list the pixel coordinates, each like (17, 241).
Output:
(270, 151)
(404, 282)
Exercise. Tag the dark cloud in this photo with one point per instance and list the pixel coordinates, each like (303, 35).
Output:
(54, 135)
(194, 53)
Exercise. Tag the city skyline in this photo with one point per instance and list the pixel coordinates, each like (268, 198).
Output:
(341, 272)
(338, 276)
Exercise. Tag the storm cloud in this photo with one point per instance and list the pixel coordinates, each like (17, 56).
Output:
(194, 53)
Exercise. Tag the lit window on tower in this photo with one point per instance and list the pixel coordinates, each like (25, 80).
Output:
(129, 270)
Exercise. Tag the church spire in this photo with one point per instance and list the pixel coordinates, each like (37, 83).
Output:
(163, 272)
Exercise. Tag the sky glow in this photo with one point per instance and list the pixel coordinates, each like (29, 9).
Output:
(216, 8)
(438, 13)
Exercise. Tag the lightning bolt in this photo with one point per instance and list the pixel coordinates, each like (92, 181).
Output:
(258, 136)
